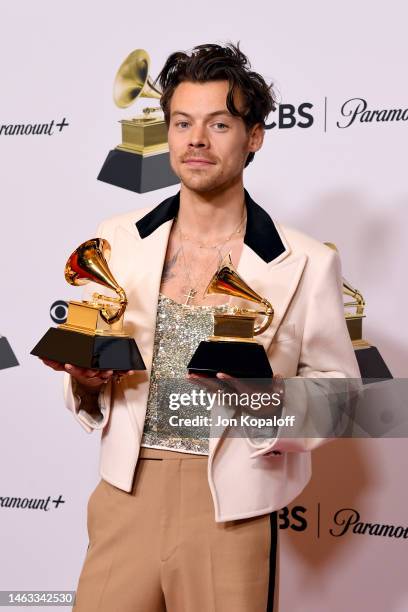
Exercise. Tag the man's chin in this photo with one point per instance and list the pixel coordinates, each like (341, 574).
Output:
(200, 184)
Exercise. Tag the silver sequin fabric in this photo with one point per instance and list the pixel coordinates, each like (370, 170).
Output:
(179, 330)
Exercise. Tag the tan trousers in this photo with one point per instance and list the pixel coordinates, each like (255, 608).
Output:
(159, 549)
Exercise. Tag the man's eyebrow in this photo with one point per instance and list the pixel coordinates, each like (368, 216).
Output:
(213, 114)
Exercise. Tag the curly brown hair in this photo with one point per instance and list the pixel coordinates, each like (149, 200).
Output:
(213, 62)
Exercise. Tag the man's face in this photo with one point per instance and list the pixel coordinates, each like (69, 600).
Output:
(208, 146)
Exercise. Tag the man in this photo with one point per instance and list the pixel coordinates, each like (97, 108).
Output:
(191, 526)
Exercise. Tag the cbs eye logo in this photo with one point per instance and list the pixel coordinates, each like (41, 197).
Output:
(59, 311)
(290, 116)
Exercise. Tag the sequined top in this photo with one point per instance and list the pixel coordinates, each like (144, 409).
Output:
(179, 330)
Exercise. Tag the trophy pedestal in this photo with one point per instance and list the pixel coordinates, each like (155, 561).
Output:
(141, 163)
(89, 351)
(7, 357)
(372, 365)
(137, 173)
(238, 359)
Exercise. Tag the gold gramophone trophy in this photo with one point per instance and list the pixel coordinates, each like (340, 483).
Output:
(232, 348)
(141, 162)
(92, 336)
(370, 361)
(7, 357)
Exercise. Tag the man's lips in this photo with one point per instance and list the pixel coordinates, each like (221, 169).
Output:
(198, 161)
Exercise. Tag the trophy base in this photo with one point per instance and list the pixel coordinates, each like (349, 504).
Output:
(137, 173)
(372, 366)
(89, 351)
(238, 359)
(7, 357)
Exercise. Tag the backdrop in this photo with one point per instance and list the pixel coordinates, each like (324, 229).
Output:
(333, 166)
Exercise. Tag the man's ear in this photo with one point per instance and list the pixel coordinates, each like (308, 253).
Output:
(256, 136)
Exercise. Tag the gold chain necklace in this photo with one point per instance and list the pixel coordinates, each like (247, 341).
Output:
(204, 245)
(192, 291)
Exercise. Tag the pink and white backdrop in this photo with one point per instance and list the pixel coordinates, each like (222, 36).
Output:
(339, 179)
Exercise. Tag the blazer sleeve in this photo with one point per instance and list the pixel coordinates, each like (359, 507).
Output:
(327, 387)
(71, 398)
(73, 403)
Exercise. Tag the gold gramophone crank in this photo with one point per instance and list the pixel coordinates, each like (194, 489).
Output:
(93, 335)
(232, 348)
(141, 162)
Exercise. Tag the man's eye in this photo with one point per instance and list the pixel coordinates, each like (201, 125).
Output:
(182, 124)
(220, 126)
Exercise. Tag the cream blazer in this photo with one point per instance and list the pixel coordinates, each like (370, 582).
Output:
(307, 340)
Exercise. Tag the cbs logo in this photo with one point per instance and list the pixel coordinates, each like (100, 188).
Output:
(290, 116)
(59, 311)
(292, 518)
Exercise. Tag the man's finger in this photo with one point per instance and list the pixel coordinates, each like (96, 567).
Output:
(55, 365)
(204, 381)
(234, 383)
(81, 372)
(105, 374)
(248, 386)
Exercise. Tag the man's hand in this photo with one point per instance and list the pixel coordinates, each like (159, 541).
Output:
(89, 379)
(246, 386)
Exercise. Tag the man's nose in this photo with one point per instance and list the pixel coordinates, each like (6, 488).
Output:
(198, 137)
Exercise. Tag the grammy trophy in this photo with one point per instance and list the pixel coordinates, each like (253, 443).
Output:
(372, 365)
(141, 162)
(93, 335)
(232, 348)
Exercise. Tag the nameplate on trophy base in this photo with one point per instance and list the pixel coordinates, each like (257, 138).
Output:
(238, 359)
(89, 350)
(7, 357)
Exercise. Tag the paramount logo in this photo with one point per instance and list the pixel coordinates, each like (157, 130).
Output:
(349, 520)
(32, 503)
(33, 129)
(356, 110)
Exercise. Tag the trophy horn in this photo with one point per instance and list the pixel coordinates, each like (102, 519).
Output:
(349, 290)
(358, 302)
(89, 263)
(227, 281)
(132, 80)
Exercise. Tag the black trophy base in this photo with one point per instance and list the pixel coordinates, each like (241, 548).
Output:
(238, 359)
(7, 357)
(96, 352)
(372, 366)
(137, 173)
